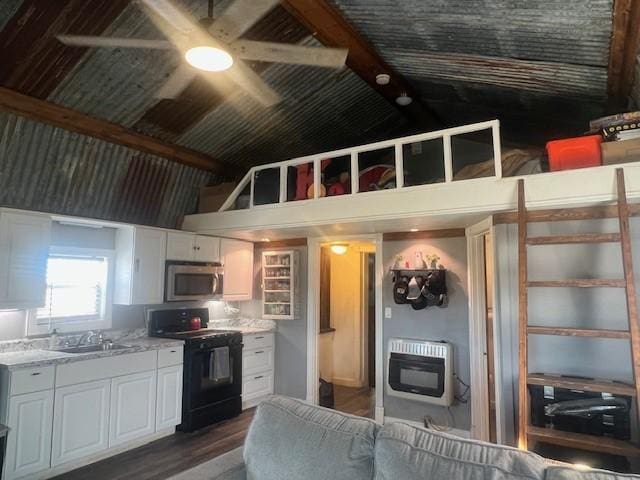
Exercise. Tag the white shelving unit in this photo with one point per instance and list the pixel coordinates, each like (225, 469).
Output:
(280, 292)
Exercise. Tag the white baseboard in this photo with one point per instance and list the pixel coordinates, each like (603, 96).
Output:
(458, 432)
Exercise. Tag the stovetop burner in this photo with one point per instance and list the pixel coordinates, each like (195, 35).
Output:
(197, 334)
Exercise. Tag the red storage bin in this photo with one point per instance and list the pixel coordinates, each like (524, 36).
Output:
(578, 152)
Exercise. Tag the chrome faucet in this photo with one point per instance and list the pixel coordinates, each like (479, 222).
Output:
(88, 337)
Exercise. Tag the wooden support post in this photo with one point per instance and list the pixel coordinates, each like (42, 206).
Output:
(523, 394)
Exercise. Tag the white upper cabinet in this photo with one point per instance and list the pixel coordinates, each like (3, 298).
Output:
(188, 247)
(140, 259)
(237, 258)
(207, 249)
(24, 248)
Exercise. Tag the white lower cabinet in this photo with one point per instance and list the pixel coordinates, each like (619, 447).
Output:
(257, 368)
(169, 395)
(80, 421)
(119, 402)
(29, 441)
(133, 407)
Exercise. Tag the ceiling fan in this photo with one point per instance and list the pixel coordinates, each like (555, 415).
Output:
(212, 46)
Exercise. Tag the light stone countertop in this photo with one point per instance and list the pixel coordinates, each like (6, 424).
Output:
(245, 330)
(40, 357)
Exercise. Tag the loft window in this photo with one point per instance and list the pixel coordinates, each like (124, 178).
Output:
(78, 294)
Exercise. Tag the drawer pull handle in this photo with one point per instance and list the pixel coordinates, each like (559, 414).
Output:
(172, 351)
(259, 352)
(259, 338)
(258, 377)
(34, 374)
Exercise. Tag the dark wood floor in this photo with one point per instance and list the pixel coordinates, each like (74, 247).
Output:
(356, 401)
(168, 456)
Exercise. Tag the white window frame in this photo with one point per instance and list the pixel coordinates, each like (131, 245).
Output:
(34, 328)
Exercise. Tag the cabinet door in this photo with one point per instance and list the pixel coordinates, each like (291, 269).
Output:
(29, 438)
(181, 246)
(80, 421)
(169, 407)
(133, 403)
(207, 249)
(237, 257)
(148, 266)
(24, 248)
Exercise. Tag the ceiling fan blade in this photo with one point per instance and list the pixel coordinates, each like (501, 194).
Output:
(177, 82)
(287, 53)
(253, 84)
(173, 15)
(113, 42)
(239, 17)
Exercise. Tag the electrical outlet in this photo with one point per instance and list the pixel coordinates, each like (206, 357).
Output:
(387, 312)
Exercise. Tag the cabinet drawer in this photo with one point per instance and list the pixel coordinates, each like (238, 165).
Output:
(256, 361)
(170, 356)
(32, 380)
(257, 386)
(108, 367)
(259, 340)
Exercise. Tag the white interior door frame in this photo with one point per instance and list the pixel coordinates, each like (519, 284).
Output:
(313, 315)
(480, 429)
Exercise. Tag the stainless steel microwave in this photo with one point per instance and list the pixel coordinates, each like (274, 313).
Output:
(193, 281)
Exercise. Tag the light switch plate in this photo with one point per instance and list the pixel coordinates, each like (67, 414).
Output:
(387, 312)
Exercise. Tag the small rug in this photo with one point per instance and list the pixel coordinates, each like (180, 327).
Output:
(228, 464)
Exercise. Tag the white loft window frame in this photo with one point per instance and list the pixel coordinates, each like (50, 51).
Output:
(39, 322)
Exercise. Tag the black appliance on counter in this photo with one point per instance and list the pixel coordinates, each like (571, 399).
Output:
(212, 386)
(596, 418)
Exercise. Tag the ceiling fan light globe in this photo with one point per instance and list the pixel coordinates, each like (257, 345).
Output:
(209, 59)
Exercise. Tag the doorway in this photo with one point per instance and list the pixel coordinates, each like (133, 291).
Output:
(347, 327)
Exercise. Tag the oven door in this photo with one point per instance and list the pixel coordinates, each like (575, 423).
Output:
(417, 374)
(193, 282)
(214, 374)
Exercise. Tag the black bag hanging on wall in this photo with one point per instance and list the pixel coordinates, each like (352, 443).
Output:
(400, 290)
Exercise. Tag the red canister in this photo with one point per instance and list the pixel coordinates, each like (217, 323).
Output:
(196, 323)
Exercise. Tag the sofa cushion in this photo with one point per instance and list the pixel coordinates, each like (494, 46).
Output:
(566, 473)
(404, 451)
(289, 439)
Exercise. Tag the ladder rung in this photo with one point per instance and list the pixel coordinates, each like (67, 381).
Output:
(583, 384)
(580, 283)
(578, 332)
(581, 441)
(579, 238)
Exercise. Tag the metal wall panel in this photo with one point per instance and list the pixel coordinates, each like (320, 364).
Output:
(49, 169)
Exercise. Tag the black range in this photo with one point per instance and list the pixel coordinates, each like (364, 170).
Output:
(212, 386)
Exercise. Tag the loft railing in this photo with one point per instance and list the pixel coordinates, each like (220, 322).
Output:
(313, 165)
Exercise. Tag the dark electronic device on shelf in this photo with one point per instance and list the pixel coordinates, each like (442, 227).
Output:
(590, 413)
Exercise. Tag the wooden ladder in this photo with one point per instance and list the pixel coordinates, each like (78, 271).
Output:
(527, 432)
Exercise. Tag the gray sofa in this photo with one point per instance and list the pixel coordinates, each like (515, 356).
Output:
(289, 439)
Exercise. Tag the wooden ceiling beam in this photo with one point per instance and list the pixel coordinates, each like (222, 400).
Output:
(74, 121)
(625, 40)
(329, 26)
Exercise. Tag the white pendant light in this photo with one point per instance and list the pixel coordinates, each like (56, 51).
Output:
(209, 59)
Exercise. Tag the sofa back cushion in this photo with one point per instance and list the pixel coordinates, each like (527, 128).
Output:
(407, 452)
(289, 439)
(567, 473)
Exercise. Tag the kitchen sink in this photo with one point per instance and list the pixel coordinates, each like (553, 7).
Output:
(91, 348)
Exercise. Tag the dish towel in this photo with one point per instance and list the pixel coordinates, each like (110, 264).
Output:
(219, 364)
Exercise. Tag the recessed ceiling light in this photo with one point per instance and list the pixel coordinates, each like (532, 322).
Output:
(339, 248)
(413, 230)
(209, 59)
(265, 239)
(404, 100)
(383, 79)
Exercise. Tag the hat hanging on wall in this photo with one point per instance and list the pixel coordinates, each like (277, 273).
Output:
(415, 288)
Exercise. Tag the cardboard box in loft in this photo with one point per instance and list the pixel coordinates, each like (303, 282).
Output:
(212, 198)
(621, 151)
